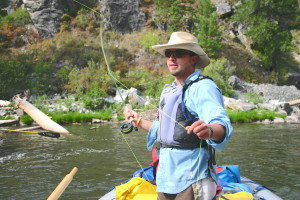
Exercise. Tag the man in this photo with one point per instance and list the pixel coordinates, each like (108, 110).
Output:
(191, 119)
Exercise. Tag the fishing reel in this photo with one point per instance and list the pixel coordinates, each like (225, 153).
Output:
(127, 127)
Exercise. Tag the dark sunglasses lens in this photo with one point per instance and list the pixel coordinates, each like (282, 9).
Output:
(176, 53)
(168, 53)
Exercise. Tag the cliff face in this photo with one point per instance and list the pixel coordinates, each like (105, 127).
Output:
(122, 16)
(119, 15)
(45, 15)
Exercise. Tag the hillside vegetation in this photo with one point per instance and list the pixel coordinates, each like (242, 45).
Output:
(72, 61)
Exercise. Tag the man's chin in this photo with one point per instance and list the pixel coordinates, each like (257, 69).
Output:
(174, 73)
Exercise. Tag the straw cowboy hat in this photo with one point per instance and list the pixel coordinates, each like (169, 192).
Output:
(184, 40)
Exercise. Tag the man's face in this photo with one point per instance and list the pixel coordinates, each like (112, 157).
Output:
(180, 62)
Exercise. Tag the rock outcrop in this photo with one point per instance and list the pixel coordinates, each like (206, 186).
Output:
(267, 91)
(45, 15)
(122, 16)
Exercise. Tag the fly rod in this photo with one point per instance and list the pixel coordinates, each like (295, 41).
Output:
(46, 134)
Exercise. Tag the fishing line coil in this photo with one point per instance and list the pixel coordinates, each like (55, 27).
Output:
(127, 127)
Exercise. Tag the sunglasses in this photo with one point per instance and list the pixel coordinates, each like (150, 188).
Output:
(179, 53)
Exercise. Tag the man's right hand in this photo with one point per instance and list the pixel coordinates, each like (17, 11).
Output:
(129, 114)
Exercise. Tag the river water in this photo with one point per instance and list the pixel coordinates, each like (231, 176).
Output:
(31, 166)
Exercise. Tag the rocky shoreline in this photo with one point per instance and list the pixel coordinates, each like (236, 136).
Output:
(284, 100)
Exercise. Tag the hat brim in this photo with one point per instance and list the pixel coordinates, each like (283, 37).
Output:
(203, 58)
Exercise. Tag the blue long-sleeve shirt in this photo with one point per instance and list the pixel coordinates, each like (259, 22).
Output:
(179, 168)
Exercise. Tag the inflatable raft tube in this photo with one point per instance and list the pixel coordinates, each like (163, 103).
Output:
(111, 195)
(258, 191)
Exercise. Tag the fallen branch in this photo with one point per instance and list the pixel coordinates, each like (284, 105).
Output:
(294, 102)
(39, 117)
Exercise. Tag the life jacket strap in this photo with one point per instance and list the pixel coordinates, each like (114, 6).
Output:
(185, 84)
(211, 160)
(203, 144)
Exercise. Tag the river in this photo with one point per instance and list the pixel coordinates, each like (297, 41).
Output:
(31, 166)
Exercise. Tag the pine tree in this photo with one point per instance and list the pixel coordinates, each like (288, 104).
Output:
(207, 30)
(3, 4)
(175, 14)
(270, 22)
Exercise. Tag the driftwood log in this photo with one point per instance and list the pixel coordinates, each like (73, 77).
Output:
(39, 117)
(294, 102)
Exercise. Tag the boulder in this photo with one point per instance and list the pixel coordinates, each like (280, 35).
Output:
(242, 106)
(269, 92)
(120, 97)
(45, 15)
(292, 119)
(122, 16)
(274, 92)
(278, 120)
(224, 9)
(237, 84)
(136, 97)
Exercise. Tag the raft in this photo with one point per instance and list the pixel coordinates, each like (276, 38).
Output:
(245, 187)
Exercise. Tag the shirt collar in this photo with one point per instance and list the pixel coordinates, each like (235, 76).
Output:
(192, 77)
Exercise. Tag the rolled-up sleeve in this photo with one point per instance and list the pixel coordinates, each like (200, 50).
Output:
(205, 100)
(219, 145)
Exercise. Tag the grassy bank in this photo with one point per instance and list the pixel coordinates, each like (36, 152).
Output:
(237, 116)
(76, 117)
(72, 117)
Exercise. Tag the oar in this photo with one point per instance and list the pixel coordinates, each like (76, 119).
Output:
(46, 134)
(63, 185)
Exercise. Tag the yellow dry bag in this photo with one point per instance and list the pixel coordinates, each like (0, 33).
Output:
(237, 196)
(136, 189)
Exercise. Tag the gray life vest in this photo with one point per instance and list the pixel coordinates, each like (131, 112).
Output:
(174, 117)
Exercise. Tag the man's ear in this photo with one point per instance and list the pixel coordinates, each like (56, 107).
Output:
(195, 59)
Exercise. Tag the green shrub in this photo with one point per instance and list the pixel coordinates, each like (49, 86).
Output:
(271, 39)
(104, 114)
(148, 81)
(93, 102)
(13, 29)
(93, 80)
(26, 119)
(42, 77)
(149, 39)
(175, 15)
(254, 98)
(6, 118)
(218, 71)
(86, 20)
(73, 50)
(76, 117)
(41, 102)
(65, 24)
(14, 76)
(19, 18)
